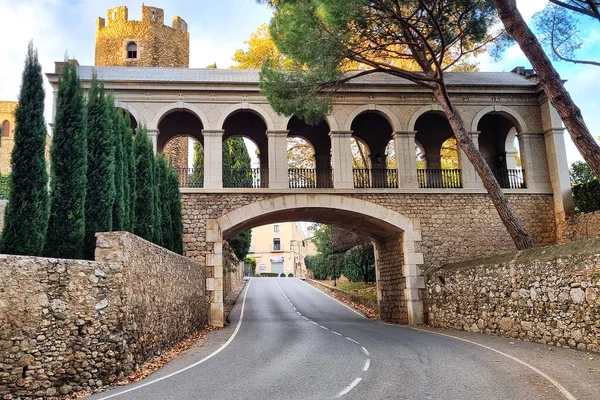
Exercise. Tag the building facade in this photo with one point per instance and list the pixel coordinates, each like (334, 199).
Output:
(7, 122)
(280, 248)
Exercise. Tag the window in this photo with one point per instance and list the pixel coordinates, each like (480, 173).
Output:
(276, 244)
(276, 228)
(153, 15)
(132, 50)
(5, 129)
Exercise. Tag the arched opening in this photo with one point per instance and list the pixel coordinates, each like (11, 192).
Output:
(436, 152)
(6, 129)
(399, 285)
(390, 156)
(178, 131)
(132, 50)
(305, 166)
(245, 151)
(499, 146)
(375, 131)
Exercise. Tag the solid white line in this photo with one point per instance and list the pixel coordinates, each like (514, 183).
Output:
(349, 388)
(365, 351)
(367, 365)
(334, 299)
(557, 385)
(220, 349)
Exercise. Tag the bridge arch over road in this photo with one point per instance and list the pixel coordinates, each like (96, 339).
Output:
(395, 236)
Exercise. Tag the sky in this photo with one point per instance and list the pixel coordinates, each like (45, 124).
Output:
(217, 29)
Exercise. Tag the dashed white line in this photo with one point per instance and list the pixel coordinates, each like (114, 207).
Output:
(352, 340)
(323, 327)
(349, 388)
(367, 365)
(365, 351)
(298, 312)
(305, 318)
(336, 333)
(314, 323)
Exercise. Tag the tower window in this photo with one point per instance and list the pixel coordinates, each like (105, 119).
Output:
(5, 129)
(153, 15)
(132, 50)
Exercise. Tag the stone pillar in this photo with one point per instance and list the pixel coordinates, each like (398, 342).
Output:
(406, 159)
(559, 173)
(153, 135)
(214, 273)
(414, 292)
(534, 161)
(342, 159)
(470, 179)
(278, 164)
(213, 159)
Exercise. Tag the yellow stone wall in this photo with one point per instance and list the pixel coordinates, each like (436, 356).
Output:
(7, 113)
(177, 150)
(158, 45)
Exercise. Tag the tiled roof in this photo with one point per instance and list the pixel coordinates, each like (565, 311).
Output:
(251, 76)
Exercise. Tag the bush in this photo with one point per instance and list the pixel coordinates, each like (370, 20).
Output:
(290, 275)
(269, 274)
(282, 275)
(586, 196)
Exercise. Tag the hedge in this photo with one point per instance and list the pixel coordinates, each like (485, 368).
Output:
(586, 196)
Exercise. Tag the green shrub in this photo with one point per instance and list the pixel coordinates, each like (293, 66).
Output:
(269, 274)
(290, 275)
(282, 275)
(586, 196)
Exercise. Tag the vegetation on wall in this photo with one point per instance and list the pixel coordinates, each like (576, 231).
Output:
(26, 214)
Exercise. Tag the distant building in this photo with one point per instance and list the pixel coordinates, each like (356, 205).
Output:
(280, 248)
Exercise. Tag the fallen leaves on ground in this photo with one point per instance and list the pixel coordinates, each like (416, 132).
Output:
(368, 312)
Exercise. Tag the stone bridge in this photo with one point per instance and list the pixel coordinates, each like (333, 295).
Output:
(419, 211)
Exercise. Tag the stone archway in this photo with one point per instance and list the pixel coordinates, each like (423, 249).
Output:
(399, 279)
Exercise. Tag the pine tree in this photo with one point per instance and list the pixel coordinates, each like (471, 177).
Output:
(144, 185)
(26, 214)
(119, 203)
(101, 167)
(130, 167)
(68, 183)
(158, 229)
(165, 195)
(175, 209)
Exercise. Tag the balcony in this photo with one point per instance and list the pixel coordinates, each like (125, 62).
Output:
(510, 178)
(439, 178)
(375, 178)
(309, 178)
(248, 178)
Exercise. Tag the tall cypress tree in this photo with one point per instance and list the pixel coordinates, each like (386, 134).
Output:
(165, 203)
(119, 203)
(101, 167)
(26, 214)
(130, 168)
(175, 210)
(158, 229)
(144, 182)
(68, 183)
(123, 132)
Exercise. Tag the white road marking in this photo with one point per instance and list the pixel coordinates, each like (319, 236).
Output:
(298, 312)
(336, 333)
(220, 349)
(314, 323)
(365, 351)
(367, 365)
(305, 318)
(349, 388)
(323, 327)
(557, 385)
(334, 299)
(353, 341)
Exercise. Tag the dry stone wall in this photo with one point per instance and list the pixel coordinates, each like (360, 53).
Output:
(582, 226)
(233, 270)
(70, 325)
(390, 281)
(549, 295)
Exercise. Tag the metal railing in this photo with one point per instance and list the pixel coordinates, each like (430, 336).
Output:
(510, 178)
(190, 177)
(375, 178)
(310, 178)
(439, 178)
(246, 178)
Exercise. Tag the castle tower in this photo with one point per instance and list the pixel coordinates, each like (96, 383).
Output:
(145, 43)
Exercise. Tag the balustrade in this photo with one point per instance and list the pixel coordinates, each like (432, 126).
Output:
(439, 178)
(375, 178)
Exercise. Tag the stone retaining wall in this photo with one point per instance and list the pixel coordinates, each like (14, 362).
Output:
(234, 270)
(549, 295)
(582, 226)
(71, 325)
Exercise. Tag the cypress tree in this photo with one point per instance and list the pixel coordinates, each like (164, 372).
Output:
(158, 229)
(68, 183)
(26, 214)
(119, 203)
(101, 167)
(165, 203)
(175, 209)
(123, 132)
(144, 199)
(130, 168)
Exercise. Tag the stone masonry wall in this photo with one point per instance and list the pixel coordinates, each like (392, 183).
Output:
(454, 227)
(390, 282)
(582, 226)
(177, 150)
(549, 295)
(70, 325)
(233, 270)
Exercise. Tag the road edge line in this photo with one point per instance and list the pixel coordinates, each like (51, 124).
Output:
(214, 353)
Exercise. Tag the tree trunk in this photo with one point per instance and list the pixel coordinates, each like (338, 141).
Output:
(512, 222)
(550, 82)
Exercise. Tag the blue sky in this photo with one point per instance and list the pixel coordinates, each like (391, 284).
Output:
(217, 28)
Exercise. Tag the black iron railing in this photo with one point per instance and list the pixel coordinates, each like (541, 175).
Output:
(510, 178)
(190, 177)
(439, 178)
(375, 178)
(310, 178)
(245, 178)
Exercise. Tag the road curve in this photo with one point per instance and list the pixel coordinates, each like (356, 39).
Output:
(295, 342)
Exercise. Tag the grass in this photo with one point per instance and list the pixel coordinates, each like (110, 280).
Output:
(366, 290)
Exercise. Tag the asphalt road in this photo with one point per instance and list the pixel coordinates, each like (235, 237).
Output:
(295, 342)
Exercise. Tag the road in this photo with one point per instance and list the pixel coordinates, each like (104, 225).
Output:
(294, 342)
